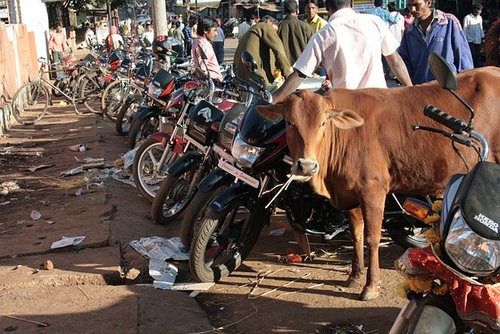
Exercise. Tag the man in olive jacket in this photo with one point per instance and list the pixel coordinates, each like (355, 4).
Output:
(294, 33)
(266, 48)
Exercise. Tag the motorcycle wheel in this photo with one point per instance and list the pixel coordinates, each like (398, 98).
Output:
(125, 117)
(408, 234)
(140, 129)
(173, 197)
(224, 239)
(146, 177)
(196, 212)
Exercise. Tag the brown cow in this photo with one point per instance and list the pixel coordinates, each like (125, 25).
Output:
(356, 165)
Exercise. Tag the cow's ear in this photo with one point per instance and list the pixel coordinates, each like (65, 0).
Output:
(345, 119)
(272, 111)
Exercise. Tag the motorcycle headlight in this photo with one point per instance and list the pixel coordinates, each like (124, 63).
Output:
(469, 251)
(244, 153)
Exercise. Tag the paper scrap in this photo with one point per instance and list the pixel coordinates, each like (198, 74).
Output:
(67, 241)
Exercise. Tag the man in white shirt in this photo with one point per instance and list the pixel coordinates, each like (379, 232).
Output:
(243, 27)
(148, 36)
(349, 47)
(473, 30)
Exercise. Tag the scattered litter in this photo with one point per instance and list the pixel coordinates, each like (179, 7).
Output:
(274, 233)
(192, 286)
(62, 104)
(89, 160)
(79, 192)
(163, 273)
(290, 257)
(35, 215)
(342, 328)
(160, 248)
(79, 148)
(128, 158)
(74, 171)
(9, 186)
(32, 169)
(50, 222)
(67, 241)
(5, 203)
(221, 308)
(48, 265)
(100, 184)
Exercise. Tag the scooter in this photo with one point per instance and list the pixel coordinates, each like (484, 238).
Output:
(451, 285)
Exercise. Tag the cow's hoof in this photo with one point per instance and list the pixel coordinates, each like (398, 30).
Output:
(354, 282)
(368, 295)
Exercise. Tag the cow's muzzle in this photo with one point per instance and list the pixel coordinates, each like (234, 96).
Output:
(305, 167)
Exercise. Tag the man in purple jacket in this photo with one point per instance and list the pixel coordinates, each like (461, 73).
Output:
(433, 31)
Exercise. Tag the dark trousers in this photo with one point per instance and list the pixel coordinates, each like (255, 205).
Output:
(219, 51)
(475, 49)
(187, 48)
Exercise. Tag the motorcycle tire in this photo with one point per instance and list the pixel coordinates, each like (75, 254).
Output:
(62, 84)
(146, 177)
(141, 129)
(125, 117)
(173, 197)
(224, 239)
(196, 212)
(407, 233)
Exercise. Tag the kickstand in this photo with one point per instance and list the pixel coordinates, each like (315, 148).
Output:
(303, 242)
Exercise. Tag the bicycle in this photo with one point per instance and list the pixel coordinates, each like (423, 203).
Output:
(32, 99)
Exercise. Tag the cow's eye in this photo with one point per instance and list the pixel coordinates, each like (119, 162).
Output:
(288, 123)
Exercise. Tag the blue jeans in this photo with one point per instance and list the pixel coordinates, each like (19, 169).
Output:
(219, 51)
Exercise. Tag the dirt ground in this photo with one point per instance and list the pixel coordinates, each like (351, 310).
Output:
(96, 279)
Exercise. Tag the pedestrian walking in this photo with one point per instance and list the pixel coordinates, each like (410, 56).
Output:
(188, 38)
(218, 44)
(243, 27)
(57, 45)
(293, 33)
(473, 30)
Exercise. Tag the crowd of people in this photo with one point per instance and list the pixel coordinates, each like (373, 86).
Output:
(353, 50)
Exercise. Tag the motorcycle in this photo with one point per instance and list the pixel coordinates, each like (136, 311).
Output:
(451, 285)
(224, 237)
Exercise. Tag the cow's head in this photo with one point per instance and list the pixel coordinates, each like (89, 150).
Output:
(307, 117)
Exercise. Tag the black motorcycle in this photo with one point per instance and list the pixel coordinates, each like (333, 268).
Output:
(227, 232)
(457, 274)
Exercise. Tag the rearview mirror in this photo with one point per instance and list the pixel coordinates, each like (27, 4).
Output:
(248, 61)
(442, 71)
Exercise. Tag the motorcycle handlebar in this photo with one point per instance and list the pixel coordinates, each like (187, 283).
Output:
(457, 125)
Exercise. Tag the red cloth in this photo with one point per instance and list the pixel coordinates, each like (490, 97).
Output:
(477, 304)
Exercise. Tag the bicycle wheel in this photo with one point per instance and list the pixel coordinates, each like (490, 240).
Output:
(90, 93)
(126, 116)
(113, 98)
(63, 83)
(30, 103)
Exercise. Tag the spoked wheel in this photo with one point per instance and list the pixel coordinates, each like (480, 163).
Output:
(147, 175)
(141, 129)
(90, 93)
(224, 239)
(196, 212)
(173, 197)
(113, 98)
(30, 103)
(125, 117)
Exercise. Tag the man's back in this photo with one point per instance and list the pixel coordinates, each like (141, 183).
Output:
(350, 47)
(294, 34)
(243, 27)
(262, 42)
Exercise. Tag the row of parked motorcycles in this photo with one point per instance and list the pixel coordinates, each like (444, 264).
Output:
(204, 154)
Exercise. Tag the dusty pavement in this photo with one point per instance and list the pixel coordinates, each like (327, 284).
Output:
(95, 287)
